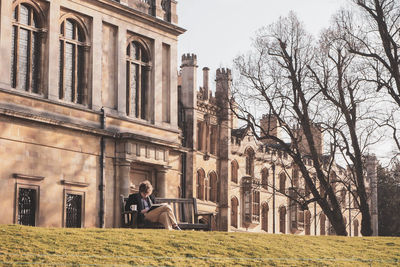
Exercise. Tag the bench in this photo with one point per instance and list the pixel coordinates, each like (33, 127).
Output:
(185, 211)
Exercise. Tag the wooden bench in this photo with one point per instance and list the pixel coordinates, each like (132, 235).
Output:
(185, 210)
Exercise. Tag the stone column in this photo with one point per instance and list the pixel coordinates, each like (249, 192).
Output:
(96, 78)
(124, 177)
(53, 52)
(150, 95)
(121, 53)
(162, 185)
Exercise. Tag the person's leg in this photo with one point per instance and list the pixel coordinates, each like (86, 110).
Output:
(154, 215)
(164, 219)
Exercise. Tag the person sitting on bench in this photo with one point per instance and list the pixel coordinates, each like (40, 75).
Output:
(144, 201)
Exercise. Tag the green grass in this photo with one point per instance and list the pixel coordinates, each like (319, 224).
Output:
(21, 245)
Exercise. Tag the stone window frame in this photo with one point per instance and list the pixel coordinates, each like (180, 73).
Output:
(213, 180)
(28, 182)
(201, 184)
(234, 171)
(264, 216)
(264, 178)
(82, 193)
(250, 158)
(282, 183)
(140, 112)
(80, 85)
(282, 219)
(35, 13)
(234, 212)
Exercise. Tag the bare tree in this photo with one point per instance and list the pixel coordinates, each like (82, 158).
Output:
(275, 78)
(377, 41)
(336, 73)
(309, 89)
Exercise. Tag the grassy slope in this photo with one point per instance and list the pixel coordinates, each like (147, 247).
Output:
(23, 245)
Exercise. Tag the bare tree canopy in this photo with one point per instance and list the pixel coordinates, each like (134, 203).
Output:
(311, 90)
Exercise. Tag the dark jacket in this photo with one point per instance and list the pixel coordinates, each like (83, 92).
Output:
(136, 199)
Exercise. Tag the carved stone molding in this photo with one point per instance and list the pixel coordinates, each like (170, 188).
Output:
(28, 177)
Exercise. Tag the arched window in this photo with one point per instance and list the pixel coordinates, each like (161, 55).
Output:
(200, 184)
(138, 80)
(213, 187)
(26, 49)
(264, 217)
(282, 183)
(234, 171)
(282, 219)
(355, 224)
(307, 225)
(250, 161)
(264, 178)
(322, 220)
(234, 212)
(73, 62)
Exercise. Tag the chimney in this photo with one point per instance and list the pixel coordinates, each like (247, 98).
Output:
(205, 83)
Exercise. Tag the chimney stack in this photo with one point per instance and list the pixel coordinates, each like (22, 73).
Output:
(205, 83)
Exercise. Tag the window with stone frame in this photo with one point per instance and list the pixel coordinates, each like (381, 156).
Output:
(264, 178)
(73, 64)
(74, 203)
(200, 184)
(214, 139)
(264, 217)
(282, 219)
(138, 77)
(27, 205)
(26, 48)
(307, 223)
(200, 141)
(250, 155)
(234, 212)
(355, 227)
(256, 206)
(282, 183)
(295, 179)
(213, 187)
(322, 219)
(343, 193)
(234, 171)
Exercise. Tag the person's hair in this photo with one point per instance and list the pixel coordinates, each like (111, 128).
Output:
(145, 187)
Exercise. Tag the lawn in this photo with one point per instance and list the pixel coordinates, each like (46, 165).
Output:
(22, 245)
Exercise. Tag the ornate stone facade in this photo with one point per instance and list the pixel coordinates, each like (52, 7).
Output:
(246, 182)
(88, 105)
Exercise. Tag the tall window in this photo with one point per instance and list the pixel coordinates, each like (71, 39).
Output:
(264, 218)
(250, 161)
(322, 224)
(355, 227)
(213, 187)
(307, 225)
(295, 179)
(264, 178)
(234, 171)
(26, 49)
(234, 212)
(256, 206)
(27, 203)
(200, 184)
(282, 183)
(73, 76)
(73, 211)
(282, 219)
(138, 80)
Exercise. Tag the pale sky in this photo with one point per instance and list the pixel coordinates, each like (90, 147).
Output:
(219, 30)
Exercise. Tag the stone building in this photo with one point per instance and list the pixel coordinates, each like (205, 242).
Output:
(91, 104)
(234, 175)
(88, 104)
